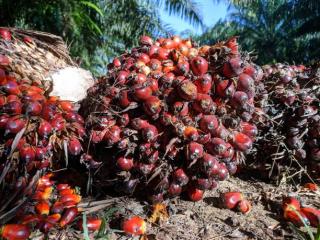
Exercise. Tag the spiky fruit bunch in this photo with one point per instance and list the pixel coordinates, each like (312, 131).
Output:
(290, 126)
(171, 117)
(36, 133)
(53, 205)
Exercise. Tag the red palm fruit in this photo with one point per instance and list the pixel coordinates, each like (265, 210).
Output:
(4, 60)
(124, 99)
(42, 208)
(27, 154)
(144, 168)
(92, 224)
(13, 107)
(112, 136)
(66, 191)
(217, 146)
(33, 108)
(204, 138)
(152, 105)
(195, 194)
(121, 78)
(168, 44)
(174, 189)
(230, 200)
(53, 218)
(180, 108)
(244, 206)
(155, 64)
(204, 84)
(225, 88)
(11, 87)
(193, 151)
(146, 40)
(4, 118)
(297, 217)
(5, 34)
(182, 68)
(290, 203)
(134, 226)
(163, 53)
(70, 198)
(139, 78)
(245, 83)
(187, 90)
(13, 98)
(66, 106)
(123, 120)
(14, 125)
(203, 183)
(241, 141)
(311, 186)
(180, 177)
(44, 129)
(3, 100)
(125, 163)
(229, 153)
(249, 129)
(68, 217)
(191, 133)
(153, 51)
(208, 123)
(31, 219)
(313, 215)
(204, 104)
(49, 111)
(199, 66)
(233, 45)
(149, 133)
(208, 162)
(166, 80)
(58, 207)
(222, 172)
(138, 123)
(176, 41)
(153, 84)
(144, 58)
(153, 157)
(232, 68)
(15, 232)
(116, 62)
(58, 123)
(43, 195)
(142, 93)
(74, 146)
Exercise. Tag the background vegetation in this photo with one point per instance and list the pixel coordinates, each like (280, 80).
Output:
(97, 30)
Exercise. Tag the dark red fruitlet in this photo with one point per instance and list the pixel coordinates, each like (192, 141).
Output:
(74, 146)
(195, 194)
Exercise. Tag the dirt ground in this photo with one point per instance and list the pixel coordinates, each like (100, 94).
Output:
(206, 220)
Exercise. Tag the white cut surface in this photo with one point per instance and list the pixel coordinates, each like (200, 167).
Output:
(71, 83)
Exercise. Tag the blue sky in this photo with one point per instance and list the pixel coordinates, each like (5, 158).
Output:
(211, 12)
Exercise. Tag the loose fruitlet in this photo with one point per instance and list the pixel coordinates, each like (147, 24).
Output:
(15, 232)
(134, 226)
(231, 199)
(162, 113)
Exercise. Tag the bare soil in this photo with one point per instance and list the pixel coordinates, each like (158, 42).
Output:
(207, 220)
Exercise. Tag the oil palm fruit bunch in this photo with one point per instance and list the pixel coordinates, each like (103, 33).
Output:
(288, 97)
(171, 117)
(37, 132)
(53, 205)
